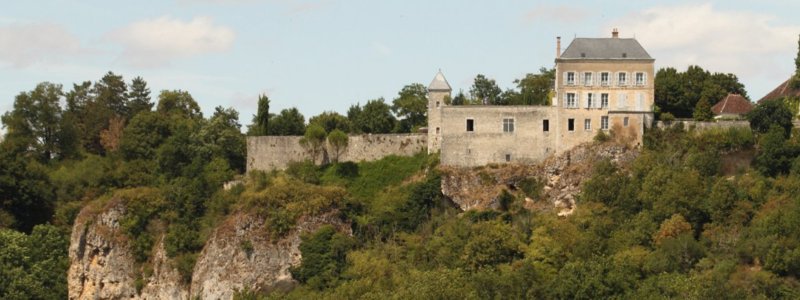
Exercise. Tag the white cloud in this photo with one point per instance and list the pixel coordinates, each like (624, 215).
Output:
(750, 45)
(31, 43)
(156, 42)
(557, 13)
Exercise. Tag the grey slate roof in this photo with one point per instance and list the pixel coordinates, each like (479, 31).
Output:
(439, 83)
(605, 48)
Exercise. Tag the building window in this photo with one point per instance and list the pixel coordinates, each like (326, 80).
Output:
(437, 130)
(604, 77)
(604, 122)
(604, 100)
(587, 124)
(587, 78)
(571, 100)
(437, 103)
(571, 124)
(570, 78)
(508, 157)
(622, 100)
(545, 125)
(590, 100)
(625, 121)
(622, 78)
(639, 78)
(508, 125)
(470, 125)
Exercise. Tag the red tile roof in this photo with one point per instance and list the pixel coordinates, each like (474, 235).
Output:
(732, 104)
(782, 90)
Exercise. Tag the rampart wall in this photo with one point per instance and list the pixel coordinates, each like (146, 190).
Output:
(268, 153)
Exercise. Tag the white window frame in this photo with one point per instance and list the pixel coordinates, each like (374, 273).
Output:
(622, 81)
(588, 78)
(608, 78)
(571, 102)
(508, 125)
(587, 124)
(604, 122)
(640, 81)
(567, 78)
(604, 100)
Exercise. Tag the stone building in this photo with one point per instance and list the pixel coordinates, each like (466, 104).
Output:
(601, 83)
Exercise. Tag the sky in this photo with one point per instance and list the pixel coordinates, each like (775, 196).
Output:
(323, 55)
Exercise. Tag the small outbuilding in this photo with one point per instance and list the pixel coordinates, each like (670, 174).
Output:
(734, 106)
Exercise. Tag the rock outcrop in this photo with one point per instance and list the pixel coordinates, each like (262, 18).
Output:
(238, 255)
(561, 177)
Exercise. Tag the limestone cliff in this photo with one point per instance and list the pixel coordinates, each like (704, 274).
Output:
(561, 177)
(239, 254)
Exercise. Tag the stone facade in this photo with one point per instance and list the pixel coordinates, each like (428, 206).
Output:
(598, 90)
(275, 152)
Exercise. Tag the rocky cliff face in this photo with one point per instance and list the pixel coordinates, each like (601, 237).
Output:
(561, 176)
(238, 255)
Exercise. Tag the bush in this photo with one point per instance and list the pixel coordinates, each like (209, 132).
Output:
(324, 253)
(305, 171)
(666, 117)
(601, 136)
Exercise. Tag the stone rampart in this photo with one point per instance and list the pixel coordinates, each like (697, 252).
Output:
(697, 125)
(268, 153)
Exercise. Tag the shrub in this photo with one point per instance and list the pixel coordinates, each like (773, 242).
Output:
(601, 136)
(666, 117)
(304, 171)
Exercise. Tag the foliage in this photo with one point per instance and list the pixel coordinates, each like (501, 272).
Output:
(26, 194)
(769, 113)
(374, 117)
(702, 111)
(338, 141)
(289, 122)
(795, 82)
(34, 266)
(679, 92)
(139, 97)
(485, 91)
(324, 252)
(331, 121)
(33, 123)
(314, 141)
(261, 118)
(411, 106)
(534, 89)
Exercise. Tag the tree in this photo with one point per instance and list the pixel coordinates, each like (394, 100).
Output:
(796, 78)
(110, 138)
(679, 92)
(460, 99)
(338, 140)
(376, 117)
(769, 113)
(288, 122)
(34, 266)
(702, 111)
(324, 257)
(330, 121)
(534, 89)
(411, 106)
(775, 155)
(485, 90)
(261, 118)
(26, 193)
(222, 136)
(177, 102)
(139, 97)
(314, 141)
(33, 123)
(111, 92)
(144, 135)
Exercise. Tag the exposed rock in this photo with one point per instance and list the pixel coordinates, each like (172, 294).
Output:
(478, 188)
(238, 255)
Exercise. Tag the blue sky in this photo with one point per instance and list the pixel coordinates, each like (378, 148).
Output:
(327, 55)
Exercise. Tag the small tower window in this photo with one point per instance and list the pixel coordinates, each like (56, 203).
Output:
(508, 157)
(437, 103)
(470, 125)
(545, 125)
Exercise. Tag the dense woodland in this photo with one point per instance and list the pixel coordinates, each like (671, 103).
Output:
(691, 217)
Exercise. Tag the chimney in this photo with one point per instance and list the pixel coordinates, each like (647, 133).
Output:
(615, 33)
(558, 47)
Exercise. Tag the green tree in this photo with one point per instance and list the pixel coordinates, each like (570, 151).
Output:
(289, 122)
(702, 111)
(485, 90)
(180, 103)
(411, 106)
(111, 92)
(796, 78)
(769, 113)
(374, 117)
(330, 121)
(679, 92)
(534, 89)
(261, 118)
(34, 266)
(222, 136)
(775, 154)
(142, 137)
(26, 193)
(460, 99)
(139, 97)
(338, 140)
(34, 122)
(324, 253)
(314, 141)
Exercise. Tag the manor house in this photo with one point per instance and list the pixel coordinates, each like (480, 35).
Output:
(601, 84)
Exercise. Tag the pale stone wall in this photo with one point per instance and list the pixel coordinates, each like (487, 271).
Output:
(275, 152)
(613, 89)
(436, 101)
(705, 125)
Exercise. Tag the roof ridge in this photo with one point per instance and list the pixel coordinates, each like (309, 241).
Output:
(725, 103)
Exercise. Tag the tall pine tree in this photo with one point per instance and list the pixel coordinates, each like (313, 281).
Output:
(261, 119)
(796, 78)
(139, 97)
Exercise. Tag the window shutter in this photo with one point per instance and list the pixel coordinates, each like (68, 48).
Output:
(588, 104)
(645, 78)
(564, 79)
(596, 100)
(577, 99)
(565, 99)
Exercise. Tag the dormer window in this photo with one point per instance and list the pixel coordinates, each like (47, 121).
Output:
(570, 78)
(587, 78)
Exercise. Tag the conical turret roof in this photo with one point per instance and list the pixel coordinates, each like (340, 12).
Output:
(439, 83)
